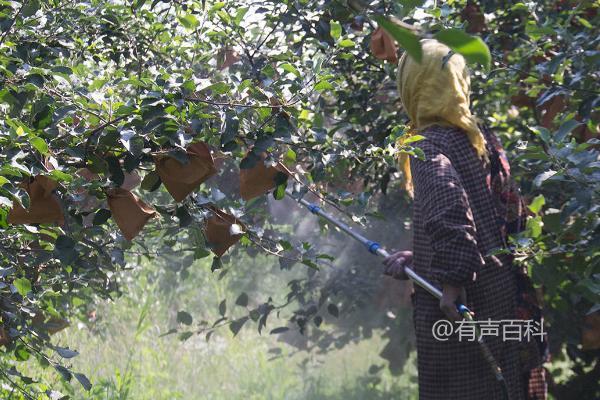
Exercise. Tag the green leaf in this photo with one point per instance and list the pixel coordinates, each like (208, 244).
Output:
(23, 286)
(405, 38)
(64, 243)
(309, 263)
(565, 129)
(65, 373)
(223, 307)
(36, 79)
(281, 329)
(61, 176)
(231, 128)
(62, 69)
(534, 225)
(333, 310)
(169, 332)
(65, 249)
(84, 381)
(65, 352)
(39, 144)
(542, 132)
(151, 181)
(236, 325)
(101, 216)
(585, 22)
(242, 300)
(189, 21)
(218, 88)
(537, 204)
(279, 192)
(519, 7)
(410, 4)
(471, 47)
(346, 43)
(290, 156)
(552, 222)
(541, 178)
(22, 353)
(30, 8)
(335, 29)
(412, 139)
(239, 15)
(133, 142)
(201, 252)
(287, 67)
(419, 153)
(217, 6)
(216, 264)
(184, 317)
(323, 85)
(184, 216)
(283, 128)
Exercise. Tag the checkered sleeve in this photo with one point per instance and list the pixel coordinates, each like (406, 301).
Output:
(448, 219)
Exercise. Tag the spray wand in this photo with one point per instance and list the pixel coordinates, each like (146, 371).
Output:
(375, 248)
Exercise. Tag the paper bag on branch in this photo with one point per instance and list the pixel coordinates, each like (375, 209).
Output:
(129, 212)
(550, 109)
(227, 57)
(52, 325)
(131, 181)
(590, 336)
(4, 338)
(222, 231)
(259, 179)
(182, 179)
(87, 203)
(383, 46)
(44, 207)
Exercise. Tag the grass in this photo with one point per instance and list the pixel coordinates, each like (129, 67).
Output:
(128, 364)
(124, 357)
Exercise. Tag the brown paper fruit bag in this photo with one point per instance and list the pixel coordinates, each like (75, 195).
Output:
(4, 338)
(129, 212)
(53, 325)
(131, 181)
(590, 336)
(44, 207)
(219, 232)
(227, 57)
(182, 179)
(259, 179)
(383, 46)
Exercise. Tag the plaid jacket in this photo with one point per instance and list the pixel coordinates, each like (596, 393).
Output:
(455, 227)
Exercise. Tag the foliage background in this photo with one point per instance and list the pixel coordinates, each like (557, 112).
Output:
(105, 84)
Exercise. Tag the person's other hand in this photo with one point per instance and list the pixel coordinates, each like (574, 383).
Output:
(450, 295)
(396, 262)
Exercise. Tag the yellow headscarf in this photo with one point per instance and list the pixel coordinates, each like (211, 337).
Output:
(436, 92)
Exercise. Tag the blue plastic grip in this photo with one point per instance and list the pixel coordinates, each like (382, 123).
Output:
(461, 308)
(313, 208)
(373, 246)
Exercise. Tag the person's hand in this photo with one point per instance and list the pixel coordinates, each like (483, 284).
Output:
(395, 264)
(450, 295)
